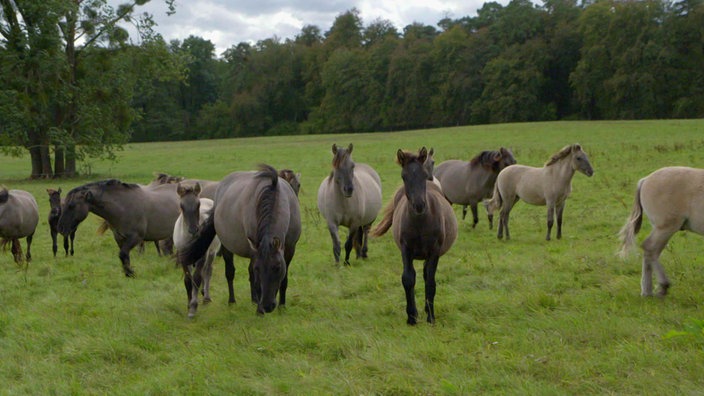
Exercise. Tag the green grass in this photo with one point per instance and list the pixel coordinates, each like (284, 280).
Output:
(525, 316)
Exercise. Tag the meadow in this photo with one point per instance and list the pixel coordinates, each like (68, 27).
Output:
(525, 316)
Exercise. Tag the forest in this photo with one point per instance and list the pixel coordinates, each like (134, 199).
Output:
(73, 85)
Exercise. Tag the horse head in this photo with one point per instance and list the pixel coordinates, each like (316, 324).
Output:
(190, 205)
(75, 209)
(343, 169)
(414, 178)
(505, 158)
(429, 164)
(269, 270)
(580, 161)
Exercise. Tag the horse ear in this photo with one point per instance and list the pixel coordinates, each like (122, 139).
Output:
(422, 154)
(432, 151)
(59, 190)
(196, 189)
(576, 147)
(252, 245)
(334, 148)
(180, 190)
(349, 149)
(497, 156)
(400, 157)
(276, 243)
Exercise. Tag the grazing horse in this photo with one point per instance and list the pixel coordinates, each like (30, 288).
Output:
(134, 213)
(19, 216)
(469, 182)
(673, 200)
(549, 185)
(424, 228)
(350, 197)
(256, 217)
(54, 214)
(207, 187)
(193, 212)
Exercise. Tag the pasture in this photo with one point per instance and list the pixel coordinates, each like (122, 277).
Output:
(525, 316)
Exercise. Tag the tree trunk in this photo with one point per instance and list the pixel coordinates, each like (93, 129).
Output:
(36, 157)
(70, 169)
(46, 161)
(59, 163)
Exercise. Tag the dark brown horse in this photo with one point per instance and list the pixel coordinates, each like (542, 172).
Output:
(256, 217)
(54, 214)
(469, 182)
(134, 213)
(424, 228)
(19, 216)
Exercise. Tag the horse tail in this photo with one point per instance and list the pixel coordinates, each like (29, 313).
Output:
(496, 202)
(104, 226)
(385, 222)
(198, 246)
(630, 229)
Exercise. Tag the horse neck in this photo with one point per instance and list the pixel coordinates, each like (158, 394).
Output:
(561, 171)
(107, 209)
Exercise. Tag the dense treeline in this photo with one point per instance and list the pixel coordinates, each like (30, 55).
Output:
(519, 62)
(74, 85)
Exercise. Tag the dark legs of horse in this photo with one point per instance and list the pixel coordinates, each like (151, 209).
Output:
(365, 240)
(229, 273)
(503, 217)
(29, 247)
(254, 287)
(475, 215)
(489, 216)
(349, 243)
(429, 268)
(551, 221)
(335, 241)
(652, 248)
(288, 256)
(560, 209)
(464, 211)
(126, 244)
(71, 236)
(54, 247)
(409, 282)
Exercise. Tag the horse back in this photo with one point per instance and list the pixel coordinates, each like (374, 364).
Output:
(160, 210)
(524, 181)
(19, 216)
(673, 197)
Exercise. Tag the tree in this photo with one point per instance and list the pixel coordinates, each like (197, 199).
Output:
(52, 97)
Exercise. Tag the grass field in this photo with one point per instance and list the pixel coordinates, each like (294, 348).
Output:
(524, 316)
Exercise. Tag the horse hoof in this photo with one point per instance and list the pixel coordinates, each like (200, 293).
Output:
(207, 300)
(347, 262)
(411, 321)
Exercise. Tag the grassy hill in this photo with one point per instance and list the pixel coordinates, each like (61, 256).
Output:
(524, 316)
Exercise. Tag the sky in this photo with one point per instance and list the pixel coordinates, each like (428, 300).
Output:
(229, 22)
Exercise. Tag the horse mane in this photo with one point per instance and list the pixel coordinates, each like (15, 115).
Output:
(564, 152)
(486, 160)
(103, 185)
(266, 205)
(409, 156)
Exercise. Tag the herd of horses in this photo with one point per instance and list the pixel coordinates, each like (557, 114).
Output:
(255, 215)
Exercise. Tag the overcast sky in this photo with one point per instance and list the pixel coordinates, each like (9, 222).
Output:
(228, 22)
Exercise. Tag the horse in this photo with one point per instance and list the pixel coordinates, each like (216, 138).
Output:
(673, 200)
(256, 217)
(19, 216)
(549, 185)
(350, 196)
(54, 214)
(469, 182)
(193, 212)
(134, 213)
(424, 228)
(207, 187)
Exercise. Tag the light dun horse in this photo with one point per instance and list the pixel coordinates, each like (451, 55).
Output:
(19, 215)
(424, 228)
(549, 185)
(194, 211)
(351, 197)
(256, 217)
(134, 213)
(467, 183)
(54, 214)
(673, 200)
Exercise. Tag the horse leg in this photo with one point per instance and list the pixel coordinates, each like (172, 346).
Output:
(551, 218)
(429, 268)
(229, 273)
(126, 244)
(652, 248)
(53, 232)
(409, 282)
(489, 216)
(349, 242)
(158, 249)
(29, 247)
(254, 286)
(16, 250)
(72, 237)
(333, 228)
(288, 256)
(65, 245)
(359, 241)
(188, 284)
(560, 209)
(464, 211)
(207, 274)
(475, 215)
(365, 239)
